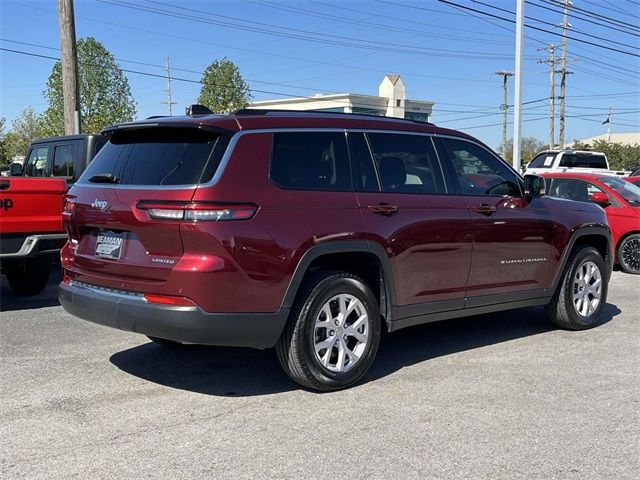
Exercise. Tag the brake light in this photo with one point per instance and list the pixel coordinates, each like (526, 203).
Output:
(198, 211)
(169, 300)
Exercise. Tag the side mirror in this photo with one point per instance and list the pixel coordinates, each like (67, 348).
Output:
(601, 199)
(534, 186)
(15, 169)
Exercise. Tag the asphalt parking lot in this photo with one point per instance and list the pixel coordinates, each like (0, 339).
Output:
(496, 396)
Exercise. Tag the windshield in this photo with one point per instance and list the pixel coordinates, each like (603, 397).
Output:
(628, 191)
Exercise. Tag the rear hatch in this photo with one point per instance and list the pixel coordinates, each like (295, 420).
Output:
(120, 210)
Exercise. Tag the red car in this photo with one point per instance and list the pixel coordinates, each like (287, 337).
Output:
(310, 232)
(635, 180)
(620, 200)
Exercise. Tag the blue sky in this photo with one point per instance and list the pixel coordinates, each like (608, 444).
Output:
(445, 54)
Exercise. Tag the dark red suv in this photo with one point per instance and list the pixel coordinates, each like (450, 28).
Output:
(311, 232)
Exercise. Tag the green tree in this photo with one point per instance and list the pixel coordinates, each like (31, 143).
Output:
(223, 88)
(24, 128)
(529, 147)
(4, 161)
(105, 96)
(621, 157)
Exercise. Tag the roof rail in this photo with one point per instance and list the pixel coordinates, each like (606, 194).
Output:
(263, 111)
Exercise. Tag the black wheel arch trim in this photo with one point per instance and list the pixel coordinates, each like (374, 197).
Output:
(599, 230)
(387, 294)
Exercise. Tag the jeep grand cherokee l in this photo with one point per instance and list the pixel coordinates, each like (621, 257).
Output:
(311, 232)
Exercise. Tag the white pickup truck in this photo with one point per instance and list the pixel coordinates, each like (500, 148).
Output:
(579, 161)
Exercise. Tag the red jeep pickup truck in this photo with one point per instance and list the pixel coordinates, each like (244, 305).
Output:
(31, 227)
(30, 230)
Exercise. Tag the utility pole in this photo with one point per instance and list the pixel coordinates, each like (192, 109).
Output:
(563, 71)
(505, 107)
(69, 63)
(517, 100)
(169, 101)
(552, 94)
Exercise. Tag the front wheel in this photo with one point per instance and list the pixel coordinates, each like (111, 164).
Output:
(629, 254)
(582, 293)
(333, 332)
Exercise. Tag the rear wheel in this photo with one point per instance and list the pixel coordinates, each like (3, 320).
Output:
(333, 332)
(582, 293)
(629, 254)
(28, 276)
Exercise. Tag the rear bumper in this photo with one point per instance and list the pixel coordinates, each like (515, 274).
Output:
(131, 312)
(22, 245)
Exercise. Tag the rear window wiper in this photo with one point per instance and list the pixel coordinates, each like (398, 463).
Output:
(104, 178)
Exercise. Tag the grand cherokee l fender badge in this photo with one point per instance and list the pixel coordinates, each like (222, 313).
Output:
(523, 260)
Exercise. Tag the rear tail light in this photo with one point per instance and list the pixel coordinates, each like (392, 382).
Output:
(69, 204)
(198, 212)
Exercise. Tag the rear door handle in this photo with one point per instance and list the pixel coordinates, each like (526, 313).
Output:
(5, 184)
(383, 209)
(484, 209)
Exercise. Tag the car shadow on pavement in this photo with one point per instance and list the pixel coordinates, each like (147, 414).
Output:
(9, 301)
(223, 371)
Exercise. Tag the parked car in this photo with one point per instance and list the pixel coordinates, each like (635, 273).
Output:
(635, 180)
(63, 157)
(30, 230)
(621, 202)
(311, 232)
(578, 161)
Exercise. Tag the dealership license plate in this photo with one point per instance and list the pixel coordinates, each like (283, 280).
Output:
(109, 245)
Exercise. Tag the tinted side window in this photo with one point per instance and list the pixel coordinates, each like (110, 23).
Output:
(542, 160)
(36, 164)
(406, 163)
(570, 189)
(479, 172)
(364, 174)
(63, 158)
(310, 161)
(98, 146)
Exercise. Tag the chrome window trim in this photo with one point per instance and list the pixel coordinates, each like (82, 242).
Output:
(237, 135)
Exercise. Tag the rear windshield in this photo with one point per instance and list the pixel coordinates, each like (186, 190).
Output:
(158, 156)
(583, 161)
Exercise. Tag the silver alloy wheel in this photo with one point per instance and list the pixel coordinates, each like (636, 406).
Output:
(341, 333)
(587, 289)
(631, 254)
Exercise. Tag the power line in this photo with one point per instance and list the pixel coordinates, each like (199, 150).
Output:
(553, 24)
(299, 34)
(595, 15)
(587, 19)
(532, 27)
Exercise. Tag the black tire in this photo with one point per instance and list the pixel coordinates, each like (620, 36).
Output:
(561, 310)
(296, 348)
(28, 276)
(629, 254)
(164, 342)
